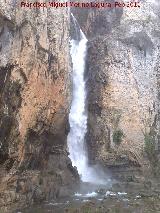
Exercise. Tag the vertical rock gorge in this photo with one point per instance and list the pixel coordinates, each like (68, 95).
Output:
(35, 95)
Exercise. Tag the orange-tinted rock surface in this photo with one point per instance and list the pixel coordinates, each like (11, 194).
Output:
(35, 97)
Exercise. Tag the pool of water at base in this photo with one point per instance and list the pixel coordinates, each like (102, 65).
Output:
(102, 199)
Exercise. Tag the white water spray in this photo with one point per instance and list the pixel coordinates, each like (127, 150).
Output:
(78, 114)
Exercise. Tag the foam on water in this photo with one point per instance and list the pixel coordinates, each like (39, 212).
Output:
(90, 194)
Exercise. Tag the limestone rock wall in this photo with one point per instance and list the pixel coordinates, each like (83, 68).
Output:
(35, 98)
(122, 72)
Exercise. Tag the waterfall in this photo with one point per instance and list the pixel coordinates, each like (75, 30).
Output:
(78, 114)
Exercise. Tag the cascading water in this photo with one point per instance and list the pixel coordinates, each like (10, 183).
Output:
(78, 114)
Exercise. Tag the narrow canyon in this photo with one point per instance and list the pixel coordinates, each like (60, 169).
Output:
(79, 108)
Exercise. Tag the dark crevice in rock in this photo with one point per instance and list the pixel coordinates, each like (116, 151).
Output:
(10, 102)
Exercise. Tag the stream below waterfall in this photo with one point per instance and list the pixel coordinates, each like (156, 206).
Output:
(124, 197)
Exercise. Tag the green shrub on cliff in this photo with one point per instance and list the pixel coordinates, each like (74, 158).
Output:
(149, 140)
(118, 136)
(149, 145)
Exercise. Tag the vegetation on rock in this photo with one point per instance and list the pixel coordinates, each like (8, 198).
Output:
(118, 136)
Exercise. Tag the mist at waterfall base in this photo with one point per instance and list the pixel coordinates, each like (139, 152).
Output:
(78, 117)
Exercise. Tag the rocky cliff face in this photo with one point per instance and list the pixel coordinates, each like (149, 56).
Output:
(34, 103)
(123, 95)
(123, 85)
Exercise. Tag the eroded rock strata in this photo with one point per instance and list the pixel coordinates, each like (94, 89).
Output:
(123, 85)
(35, 95)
